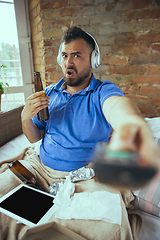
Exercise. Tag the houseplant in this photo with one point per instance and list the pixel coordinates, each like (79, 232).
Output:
(2, 86)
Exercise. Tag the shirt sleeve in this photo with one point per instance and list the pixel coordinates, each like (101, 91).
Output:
(109, 89)
(40, 125)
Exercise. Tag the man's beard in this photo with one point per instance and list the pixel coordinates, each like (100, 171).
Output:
(79, 79)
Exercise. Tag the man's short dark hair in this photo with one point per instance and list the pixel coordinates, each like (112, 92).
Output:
(74, 33)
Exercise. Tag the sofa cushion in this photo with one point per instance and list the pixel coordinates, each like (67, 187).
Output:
(147, 198)
(14, 147)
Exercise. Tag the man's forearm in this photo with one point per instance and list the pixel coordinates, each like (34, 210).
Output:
(31, 131)
(132, 133)
(120, 111)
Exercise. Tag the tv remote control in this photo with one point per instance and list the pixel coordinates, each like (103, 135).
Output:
(121, 168)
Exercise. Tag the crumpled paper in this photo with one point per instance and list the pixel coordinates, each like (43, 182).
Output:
(81, 174)
(99, 205)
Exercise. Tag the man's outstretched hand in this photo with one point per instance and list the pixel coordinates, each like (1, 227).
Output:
(131, 137)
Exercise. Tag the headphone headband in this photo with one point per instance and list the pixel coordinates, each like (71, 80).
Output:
(95, 56)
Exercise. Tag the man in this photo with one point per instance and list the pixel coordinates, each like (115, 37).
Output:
(83, 110)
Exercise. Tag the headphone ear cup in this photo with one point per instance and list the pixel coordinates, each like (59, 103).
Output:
(94, 59)
(95, 56)
(59, 57)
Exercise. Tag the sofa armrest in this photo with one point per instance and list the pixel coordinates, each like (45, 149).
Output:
(10, 125)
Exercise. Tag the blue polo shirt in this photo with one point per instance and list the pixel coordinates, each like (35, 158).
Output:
(75, 125)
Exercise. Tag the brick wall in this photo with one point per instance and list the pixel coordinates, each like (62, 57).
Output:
(37, 37)
(128, 33)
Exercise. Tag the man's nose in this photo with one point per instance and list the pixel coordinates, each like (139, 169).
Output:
(70, 60)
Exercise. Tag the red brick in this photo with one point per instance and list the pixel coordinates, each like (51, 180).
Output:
(132, 37)
(139, 59)
(153, 70)
(135, 49)
(127, 69)
(48, 42)
(150, 37)
(156, 101)
(148, 90)
(61, 23)
(67, 12)
(144, 100)
(155, 13)
(54, 4)
(52, 42)
(147, 111)
(49, 60)
(146, 79)
(38, 52)
(50, 69)
(46, 76)
(56, 76)
(47, 83)
(138, 4)
(118, 79)
(51, 51)
(135, 15)
(123, 39)
(131, 89)
(142, 14)
(115, 60)
(154, 58)
(156, 47)
(54, 51)
(157, 112)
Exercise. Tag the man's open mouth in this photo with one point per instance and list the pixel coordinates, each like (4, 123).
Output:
(69, 73)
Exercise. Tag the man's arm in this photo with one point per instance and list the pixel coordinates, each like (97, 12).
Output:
(33, 105)
(131, 130)
(121, 110)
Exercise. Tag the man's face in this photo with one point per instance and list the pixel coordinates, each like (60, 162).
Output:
(76, 65)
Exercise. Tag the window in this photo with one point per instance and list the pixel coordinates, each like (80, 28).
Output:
(15, 53)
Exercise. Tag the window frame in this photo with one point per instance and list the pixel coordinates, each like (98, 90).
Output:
(24, 40)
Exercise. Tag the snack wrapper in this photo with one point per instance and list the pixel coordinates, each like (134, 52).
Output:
(80, 174)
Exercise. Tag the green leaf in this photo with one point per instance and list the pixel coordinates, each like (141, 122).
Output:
(3, 66)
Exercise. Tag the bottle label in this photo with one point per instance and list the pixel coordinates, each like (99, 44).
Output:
(42, 95)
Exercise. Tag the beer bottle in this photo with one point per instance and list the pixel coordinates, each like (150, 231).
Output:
(43, 114)
(24, 174)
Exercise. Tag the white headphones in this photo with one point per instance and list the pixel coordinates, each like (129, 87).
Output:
(95, 56)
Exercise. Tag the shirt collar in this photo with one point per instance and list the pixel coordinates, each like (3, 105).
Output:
(60, 86)
(92, 84)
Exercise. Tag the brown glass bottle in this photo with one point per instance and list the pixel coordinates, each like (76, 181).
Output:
(24, 174)
(43, 114)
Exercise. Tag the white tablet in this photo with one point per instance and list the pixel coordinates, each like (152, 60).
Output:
(27, 205)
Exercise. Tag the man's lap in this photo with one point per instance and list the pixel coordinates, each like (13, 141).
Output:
(45, 176)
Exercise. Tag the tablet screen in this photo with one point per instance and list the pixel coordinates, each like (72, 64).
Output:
(28, 203)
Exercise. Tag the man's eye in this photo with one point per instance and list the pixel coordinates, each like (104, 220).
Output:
(76, 56)
(64, 55)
